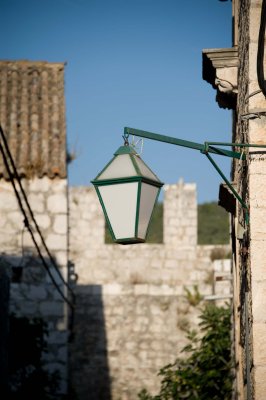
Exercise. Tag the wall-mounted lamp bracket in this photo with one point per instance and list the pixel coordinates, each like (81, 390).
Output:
(206, 148)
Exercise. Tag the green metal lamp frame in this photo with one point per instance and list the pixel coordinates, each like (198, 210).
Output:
(206, 148)
(139, 179)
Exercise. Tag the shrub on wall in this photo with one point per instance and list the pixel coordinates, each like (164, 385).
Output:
(206, 371)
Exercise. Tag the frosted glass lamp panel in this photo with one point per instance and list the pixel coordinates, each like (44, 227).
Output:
(145, 170)
(120, 205)
(120, 167)
(147, 200)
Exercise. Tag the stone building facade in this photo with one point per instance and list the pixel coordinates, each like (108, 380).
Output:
(32, 115)
(132, 311)
(248, 105)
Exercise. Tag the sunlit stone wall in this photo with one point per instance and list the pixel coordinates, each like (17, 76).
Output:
(132, 312)
(32, 294)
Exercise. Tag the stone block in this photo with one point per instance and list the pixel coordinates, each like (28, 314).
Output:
(256, 131)
(259, 344)
(59, 185)
(51, 308)
(3, 220)
(258, 259)
(36, 293)
(260, 382)
(112, 289)
(61, 368)
(30, 307)
(179, 289)
(39, 185)
(57, 203)
(197, 276)
(257, 194)
(16, 293)
(43, 221)
(60, 224)
(7, 240)
(257, 166)
(49, 357)
(170, 263)
(8, 201)
(259, 300)
(56, 337)
(62, 324)
(16, 217)
(141, 289)
(36, 201)
(257, 101)
(255, 12)
(258, 223)
(62, 354)
(56, 242)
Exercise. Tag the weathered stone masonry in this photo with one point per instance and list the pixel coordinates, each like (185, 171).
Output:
(35, 295)
(250, 251)
(32, 116)
(248, 239)
(131, 310)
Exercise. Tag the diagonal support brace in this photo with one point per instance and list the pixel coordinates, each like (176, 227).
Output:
(206, 148)
(230, 186)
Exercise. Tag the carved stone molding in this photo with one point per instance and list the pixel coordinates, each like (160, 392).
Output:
(220, 68)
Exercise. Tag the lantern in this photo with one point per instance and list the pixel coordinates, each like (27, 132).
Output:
(128, 191)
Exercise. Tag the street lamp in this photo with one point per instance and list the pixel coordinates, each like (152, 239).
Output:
(128, 189)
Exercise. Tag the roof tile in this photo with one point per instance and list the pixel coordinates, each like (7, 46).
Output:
(32, 115)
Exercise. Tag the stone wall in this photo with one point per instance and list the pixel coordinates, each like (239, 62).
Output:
(4, 318)
(239, 174)
(32, 293)
(132, 310)
(249, 251)
(257, 201)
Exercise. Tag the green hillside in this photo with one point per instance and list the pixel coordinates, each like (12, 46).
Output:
(155, 234)
(213, 224)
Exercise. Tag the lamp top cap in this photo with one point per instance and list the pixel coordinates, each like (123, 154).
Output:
(126, 149)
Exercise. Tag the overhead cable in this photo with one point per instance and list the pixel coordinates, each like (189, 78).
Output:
(26, 220)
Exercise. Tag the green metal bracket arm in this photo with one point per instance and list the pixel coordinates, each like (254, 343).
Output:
(206, 148)
(203, 148)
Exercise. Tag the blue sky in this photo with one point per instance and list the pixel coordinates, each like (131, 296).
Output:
(134, 63)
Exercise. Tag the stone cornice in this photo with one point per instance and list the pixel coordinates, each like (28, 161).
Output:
(220, 68)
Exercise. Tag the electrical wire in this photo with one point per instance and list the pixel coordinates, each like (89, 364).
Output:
(30, 210)
(260, 53)
(26, 221)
